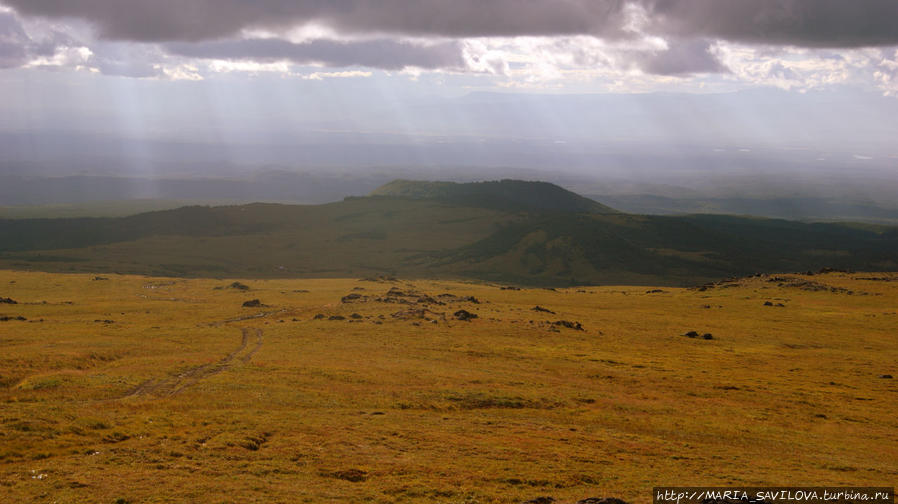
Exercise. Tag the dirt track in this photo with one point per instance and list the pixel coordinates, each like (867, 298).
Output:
(175, 384)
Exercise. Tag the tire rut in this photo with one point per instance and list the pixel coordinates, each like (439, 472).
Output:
(173, 385)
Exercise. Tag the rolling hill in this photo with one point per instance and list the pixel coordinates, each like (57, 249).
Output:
(508, 231)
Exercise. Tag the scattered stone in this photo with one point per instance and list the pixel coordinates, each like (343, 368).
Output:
(708, 336)
(336, 317)
(319, 316)
(509, 287)
(691, 334)
(429, 300)
(4, 300)
(568, 324)
(540, 500)
(239, 286)
(355, 316)
(768, 303)
(410, 314)
(465, 315)
(886, 376)
(539, 308)
(252, 303)
(352, 298)
(7, 318)
(99, 278)
(654, 291)
(470, 299)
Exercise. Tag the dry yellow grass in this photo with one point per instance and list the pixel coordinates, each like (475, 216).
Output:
(137, 389)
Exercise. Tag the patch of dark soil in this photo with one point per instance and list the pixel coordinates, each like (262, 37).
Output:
(353, 475)
(253, 443)
(116, 437)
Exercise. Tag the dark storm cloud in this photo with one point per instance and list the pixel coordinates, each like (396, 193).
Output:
(384, 53)
(812, 23)
(18, 48)
(807, 23)
(191, 20)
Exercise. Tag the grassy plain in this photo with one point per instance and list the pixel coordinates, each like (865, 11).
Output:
(141, 389)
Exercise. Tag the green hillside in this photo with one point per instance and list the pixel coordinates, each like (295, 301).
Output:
(417, 230)
(503, 194)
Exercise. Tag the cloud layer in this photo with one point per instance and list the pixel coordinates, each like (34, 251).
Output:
(810, 23)
(789, 43)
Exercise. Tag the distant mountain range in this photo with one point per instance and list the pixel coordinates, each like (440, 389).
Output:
(531, 233)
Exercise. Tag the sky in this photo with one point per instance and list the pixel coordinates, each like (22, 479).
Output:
(503, 82)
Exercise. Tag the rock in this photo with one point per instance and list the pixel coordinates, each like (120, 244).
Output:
(768, 303)
(351, 298)
(886, 376)
(410, 314)
(707, 336)
(470, 299)
(252, 303)
(6, 318)
(465, 315)
(319, 316)
(540, 500)
(604, 500)
(691, 334)
(4, 300)
(336, 317)
(654, 291)
(355, 316)
(99, 278)
(570, 325)
(539, 308)
(239, 286)
(510, 288)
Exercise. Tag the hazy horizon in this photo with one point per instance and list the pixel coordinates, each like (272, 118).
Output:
(676, 99)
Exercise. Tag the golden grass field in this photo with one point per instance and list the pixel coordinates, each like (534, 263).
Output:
(139, 389)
